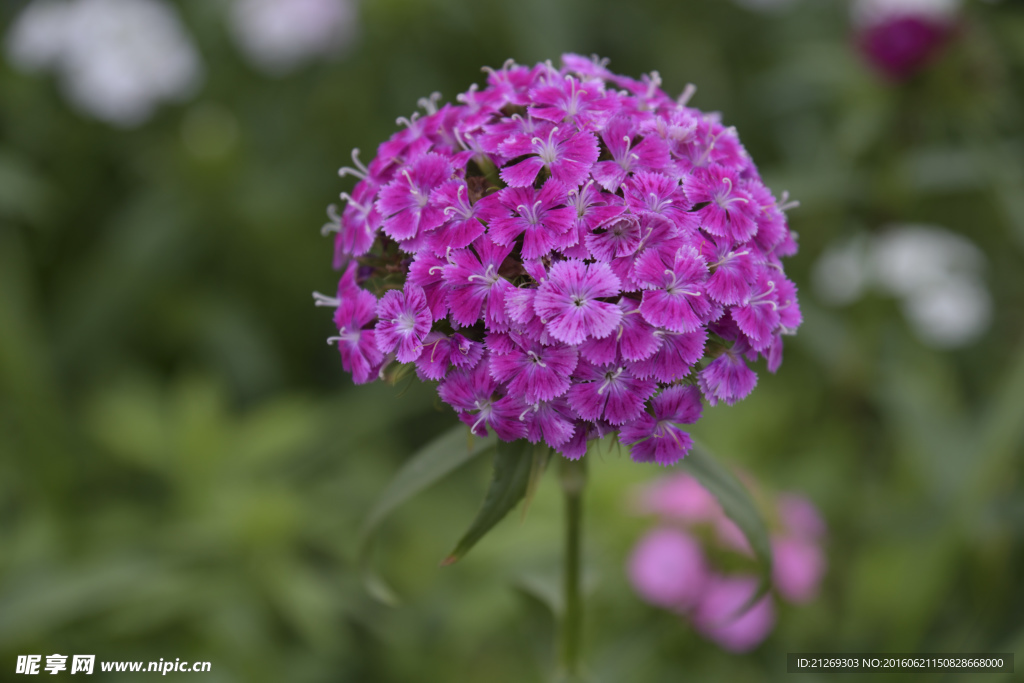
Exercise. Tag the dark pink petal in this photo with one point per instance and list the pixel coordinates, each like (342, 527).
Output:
(522, 174)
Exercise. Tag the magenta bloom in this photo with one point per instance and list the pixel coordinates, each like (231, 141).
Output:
(726, 210)
(667, 568)
(649, 153)
(727, 378)
(441, 353)
(658, 438)
(541, 215)
(566, 154)
(474, 394)
(405, 201)
(535, 373)
(902, 45)
(474, 286)
(404, 323)
(462, 226)
(674, 297)
(356, 343)
(609, 393)
(570, 254)
(568, 301)
(570, 100)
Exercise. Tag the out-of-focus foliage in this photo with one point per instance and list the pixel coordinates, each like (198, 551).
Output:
(184, 468)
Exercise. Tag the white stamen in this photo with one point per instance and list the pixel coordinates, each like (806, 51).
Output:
(324, 300)
(360, 171)
(785, 203)
(335, 223)
(608, 380)
(689, 91)
(429, 103)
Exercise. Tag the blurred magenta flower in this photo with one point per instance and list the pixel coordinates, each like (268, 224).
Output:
(669, 567)
(900, 37)
(570, 253)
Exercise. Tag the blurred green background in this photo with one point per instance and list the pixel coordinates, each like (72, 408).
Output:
(184, 466)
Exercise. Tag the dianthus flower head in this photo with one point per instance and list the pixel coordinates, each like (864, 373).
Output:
(569, 253)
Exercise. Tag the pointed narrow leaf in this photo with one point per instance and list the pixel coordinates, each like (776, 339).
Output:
(738, 506)
(427, 466)
(513, 463)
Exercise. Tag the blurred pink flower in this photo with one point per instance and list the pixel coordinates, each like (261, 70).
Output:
(800, 517)
(668, 566)
(678, 496)
(667, 569)
(798, 567)
(716, 615)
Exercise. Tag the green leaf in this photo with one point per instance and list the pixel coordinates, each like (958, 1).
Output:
(513, 464)
(427, 466)
(738, 506)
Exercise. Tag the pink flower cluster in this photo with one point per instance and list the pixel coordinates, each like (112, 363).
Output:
(569, 253)
(669, 567)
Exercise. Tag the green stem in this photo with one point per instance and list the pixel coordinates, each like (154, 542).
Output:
(573, 477)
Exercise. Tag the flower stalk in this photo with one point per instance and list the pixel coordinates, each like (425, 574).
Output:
(573, 479)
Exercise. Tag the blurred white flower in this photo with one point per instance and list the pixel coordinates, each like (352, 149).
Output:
(936, 273)
(909, 258)
(116, 59)
(277, 36)
(950, 314)
(868, 12)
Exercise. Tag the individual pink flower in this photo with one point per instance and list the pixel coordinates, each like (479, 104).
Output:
(609, 393)
(649, 153)
(659, 438)
(725, 209)
(674, 289)
(541, 214)
(405, 201)
(569, 301)
(566, 154)
(667, 568)
(404, 321)
(727, 378)
(798, 566)
(679, 497)
(718, 615)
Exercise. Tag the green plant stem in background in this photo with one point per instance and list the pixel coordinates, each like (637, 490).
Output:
(573, 478)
